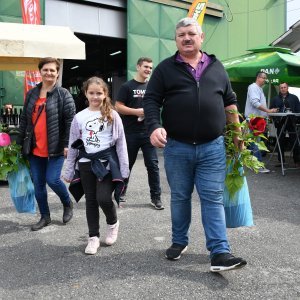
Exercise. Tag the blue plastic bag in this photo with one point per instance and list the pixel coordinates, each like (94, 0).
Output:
(22, 190)
(238, 211)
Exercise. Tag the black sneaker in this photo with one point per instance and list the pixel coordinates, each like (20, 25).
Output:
(156, 202)
(175, 251)
(225, 262)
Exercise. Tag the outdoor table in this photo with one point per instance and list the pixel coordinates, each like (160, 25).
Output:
(286, 116)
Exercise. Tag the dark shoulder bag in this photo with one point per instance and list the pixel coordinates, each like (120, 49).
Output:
(28, 142)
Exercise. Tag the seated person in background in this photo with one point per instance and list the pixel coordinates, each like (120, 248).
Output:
(285, 101)
(9, 108)
(7, 116)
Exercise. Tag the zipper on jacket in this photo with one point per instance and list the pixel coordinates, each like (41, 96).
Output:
(196, 119)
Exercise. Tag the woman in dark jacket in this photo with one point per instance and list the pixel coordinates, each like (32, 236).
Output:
(53, 107)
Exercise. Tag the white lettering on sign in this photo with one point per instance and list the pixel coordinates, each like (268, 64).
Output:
(271, 71)
(275, 81)
(198, 10)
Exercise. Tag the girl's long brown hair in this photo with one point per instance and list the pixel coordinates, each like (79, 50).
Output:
(106, 107)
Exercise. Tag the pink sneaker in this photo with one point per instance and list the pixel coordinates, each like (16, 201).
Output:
(93, 245)
(112, 233)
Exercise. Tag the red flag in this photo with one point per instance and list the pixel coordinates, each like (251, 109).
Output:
(31, 14)
(31, 11)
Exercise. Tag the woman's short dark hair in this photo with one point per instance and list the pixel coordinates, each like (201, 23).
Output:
(48, 60)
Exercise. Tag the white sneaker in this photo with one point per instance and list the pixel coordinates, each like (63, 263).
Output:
(112, 233)
(93, 245)
(263, 170)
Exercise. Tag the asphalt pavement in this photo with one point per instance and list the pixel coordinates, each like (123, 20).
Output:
(51, 264)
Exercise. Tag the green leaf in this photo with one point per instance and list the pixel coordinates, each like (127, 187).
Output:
(234, 183)
(261, 146)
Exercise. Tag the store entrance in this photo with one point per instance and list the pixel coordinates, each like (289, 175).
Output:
(105, 57)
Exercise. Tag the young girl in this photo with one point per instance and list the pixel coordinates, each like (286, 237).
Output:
(98, 130)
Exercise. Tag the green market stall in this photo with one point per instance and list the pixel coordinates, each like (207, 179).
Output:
(280, 64)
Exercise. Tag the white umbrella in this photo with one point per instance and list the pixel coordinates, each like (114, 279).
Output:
(21, 45)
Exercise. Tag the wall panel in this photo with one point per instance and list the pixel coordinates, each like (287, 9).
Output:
(245, 24)
(151, 28)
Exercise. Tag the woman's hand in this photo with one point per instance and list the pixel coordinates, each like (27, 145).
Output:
(66, 152)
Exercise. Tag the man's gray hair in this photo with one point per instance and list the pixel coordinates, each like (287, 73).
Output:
(187, 22)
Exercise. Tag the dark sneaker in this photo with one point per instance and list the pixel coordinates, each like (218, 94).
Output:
(225, 262)
(68, 213)
(175, 251)
(263, 170)
(156, 202)
(43, 222)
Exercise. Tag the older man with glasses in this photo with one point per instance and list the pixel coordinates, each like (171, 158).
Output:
(256, 104)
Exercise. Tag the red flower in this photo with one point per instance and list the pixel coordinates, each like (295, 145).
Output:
(257, 125)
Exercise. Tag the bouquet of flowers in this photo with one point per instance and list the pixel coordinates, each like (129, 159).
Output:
(248, 132)
(14, 168)
(10, 153)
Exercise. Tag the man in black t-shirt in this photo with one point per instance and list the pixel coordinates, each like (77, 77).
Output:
(129, 105)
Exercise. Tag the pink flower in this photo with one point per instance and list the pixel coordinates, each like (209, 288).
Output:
(4, 139)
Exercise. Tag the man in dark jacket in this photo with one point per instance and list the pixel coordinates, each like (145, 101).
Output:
(285, 101)
(194, 92)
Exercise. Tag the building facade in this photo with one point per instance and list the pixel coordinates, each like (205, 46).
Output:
(117, 32)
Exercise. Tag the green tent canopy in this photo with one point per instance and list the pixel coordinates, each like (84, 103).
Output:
(280, 64)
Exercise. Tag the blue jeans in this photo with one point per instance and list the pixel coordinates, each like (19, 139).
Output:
(255, 151)
(48, 170)
(203, 166)
(135, 142)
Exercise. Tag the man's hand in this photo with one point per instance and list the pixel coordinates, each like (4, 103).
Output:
(158, 138)
(139, 112)
(238, 143)
(272, 110)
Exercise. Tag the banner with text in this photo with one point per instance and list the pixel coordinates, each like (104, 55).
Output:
(31, 14)
(197, 10)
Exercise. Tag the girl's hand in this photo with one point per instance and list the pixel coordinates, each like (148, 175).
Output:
(65, 179)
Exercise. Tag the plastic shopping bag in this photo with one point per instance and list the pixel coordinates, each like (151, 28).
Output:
(22, 190)
(238, 211)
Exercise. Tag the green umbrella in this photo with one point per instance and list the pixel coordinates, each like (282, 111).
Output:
(279, 63)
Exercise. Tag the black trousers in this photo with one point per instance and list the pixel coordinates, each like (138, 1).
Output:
(135, 142)
(97, 193)
(292, 138)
